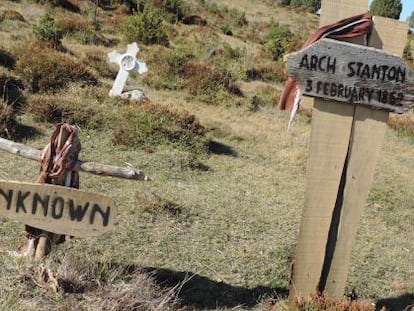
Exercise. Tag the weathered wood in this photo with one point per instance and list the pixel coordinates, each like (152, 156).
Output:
(328, 149)
(46, 239)
(368, 135)
(367, 138)
(352, 73)
(334, 10)
(331, 130)
(57, 209)
(84, 166)
(389, 35)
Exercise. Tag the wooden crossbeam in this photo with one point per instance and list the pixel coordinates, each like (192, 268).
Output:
(84, 166)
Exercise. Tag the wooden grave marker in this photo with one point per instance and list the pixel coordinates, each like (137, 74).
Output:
(57, 209)
(53, 210)
(346, 139)
(127, 63)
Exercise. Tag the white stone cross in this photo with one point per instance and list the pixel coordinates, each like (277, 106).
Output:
(127, 63)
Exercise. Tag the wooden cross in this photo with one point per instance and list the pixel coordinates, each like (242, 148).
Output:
(127, 63)
(345, 145)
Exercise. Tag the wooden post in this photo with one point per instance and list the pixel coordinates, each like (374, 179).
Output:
(367, 139)
(345, 144)
(47, 239)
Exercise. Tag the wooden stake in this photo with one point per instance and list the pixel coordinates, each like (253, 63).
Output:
(365, 148)
(28, 152)
(330, 136)
(331, 130)
(47, 239)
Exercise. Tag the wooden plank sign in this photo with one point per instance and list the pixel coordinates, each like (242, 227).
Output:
(57, 209)
(351, 73)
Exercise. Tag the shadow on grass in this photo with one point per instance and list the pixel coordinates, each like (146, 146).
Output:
(219, 148)
(203, 293)
(23, 132)
(399, 303)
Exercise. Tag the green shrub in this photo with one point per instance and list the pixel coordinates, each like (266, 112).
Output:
(171, 65)
(407, 54)
(206, 82)
(311, 5)
(175, 9)
(48, 30)
(238, 17)
(149, 125)
(53, 109)
(278, 41)
(51, 73)
(261, 72)
(11, 92)
(146, 27)
(386, 8)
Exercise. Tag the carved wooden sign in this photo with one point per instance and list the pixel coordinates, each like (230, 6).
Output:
(57, 209)
(352, 73)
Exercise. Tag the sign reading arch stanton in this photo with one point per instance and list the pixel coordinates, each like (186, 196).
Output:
(57, 209)
(352, 73)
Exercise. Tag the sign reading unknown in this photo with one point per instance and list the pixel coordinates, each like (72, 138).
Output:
(57, 209)
(352, 73)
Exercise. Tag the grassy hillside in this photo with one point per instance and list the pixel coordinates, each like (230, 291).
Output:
(216, 226)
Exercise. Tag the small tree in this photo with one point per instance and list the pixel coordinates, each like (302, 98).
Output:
(48, 30)
(147, 27)
(407, 54)
(278, 41)
(386, 8)
(411, 20)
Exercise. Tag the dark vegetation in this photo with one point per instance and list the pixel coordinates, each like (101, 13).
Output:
(199, 64)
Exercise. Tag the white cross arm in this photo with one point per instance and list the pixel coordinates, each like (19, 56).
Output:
(127, 63)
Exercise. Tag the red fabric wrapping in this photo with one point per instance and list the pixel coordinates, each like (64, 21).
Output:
(351, 27)
(56, 163)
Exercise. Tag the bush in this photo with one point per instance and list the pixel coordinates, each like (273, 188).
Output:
(278, 41)
(53, 109)
(407, 54)
(386, 8)
(7, 120)
(207, 81)
(311, 5)
(48, 30)
(11, 92)
(146, 27)
(51, 73)
(175, 10)
(148, 125)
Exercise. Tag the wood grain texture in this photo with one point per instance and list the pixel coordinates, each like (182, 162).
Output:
(353, 73)
(335, 10)
(57, 209)
(84, 166)
(366, 142)
(368, 136)
(331, 130)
